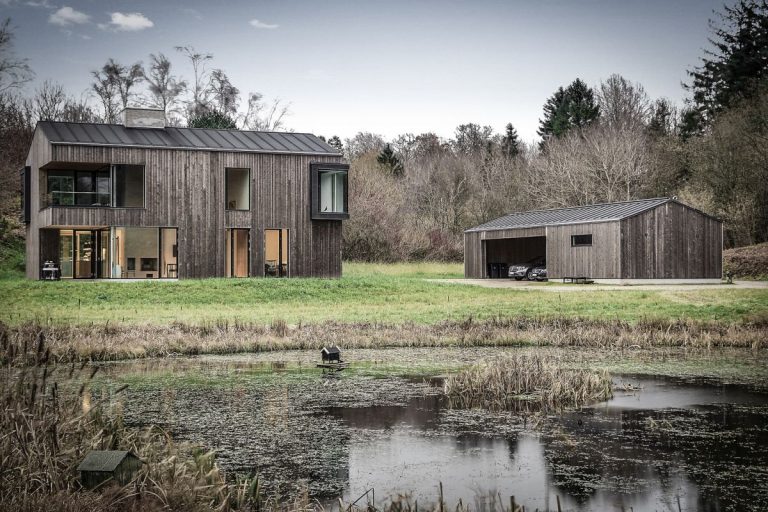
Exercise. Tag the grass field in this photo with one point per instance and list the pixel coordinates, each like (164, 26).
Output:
(380, 293)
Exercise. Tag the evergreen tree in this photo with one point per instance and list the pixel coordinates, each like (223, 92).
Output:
(213, 119)
(389, 160)
(335, 142)
(510, 143)
(572, 107)
(662, 120)
(738, 63)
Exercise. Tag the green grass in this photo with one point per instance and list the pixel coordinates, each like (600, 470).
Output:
(367, 293)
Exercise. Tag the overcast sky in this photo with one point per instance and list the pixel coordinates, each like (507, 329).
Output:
(385, 67)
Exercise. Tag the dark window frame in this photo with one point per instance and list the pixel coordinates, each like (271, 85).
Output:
(584, 240)
(315, 168)
(113, 187)
(226, 189)
(110, 169)
(26, 194)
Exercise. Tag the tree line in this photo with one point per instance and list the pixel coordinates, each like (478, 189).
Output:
(412, 197)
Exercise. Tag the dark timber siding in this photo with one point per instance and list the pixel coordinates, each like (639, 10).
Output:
(185, 189)
(671, 241)
(600, 260)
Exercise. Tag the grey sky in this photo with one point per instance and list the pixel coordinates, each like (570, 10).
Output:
(385, 67)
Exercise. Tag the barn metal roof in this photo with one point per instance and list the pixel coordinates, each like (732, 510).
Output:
(103, 460)
(575, 215)
(170, 137)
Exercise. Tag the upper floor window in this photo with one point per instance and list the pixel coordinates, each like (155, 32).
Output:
(329, 191)
(78, 188)
(128, 186)
(116, 185)
(581, 240)
(238, 189)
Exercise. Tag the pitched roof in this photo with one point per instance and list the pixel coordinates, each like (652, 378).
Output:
(103, 460)
(575, 215)
(170, 137)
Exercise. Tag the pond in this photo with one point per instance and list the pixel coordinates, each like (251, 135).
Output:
(668, 443)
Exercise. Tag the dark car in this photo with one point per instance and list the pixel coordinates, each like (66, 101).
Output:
(539, 273)
(520, 271)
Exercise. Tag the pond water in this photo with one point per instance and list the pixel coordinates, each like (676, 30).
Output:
(672, 445)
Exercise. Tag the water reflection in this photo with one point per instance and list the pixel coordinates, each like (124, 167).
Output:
(672, 446)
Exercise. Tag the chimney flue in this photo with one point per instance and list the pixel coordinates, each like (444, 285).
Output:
(143, 118)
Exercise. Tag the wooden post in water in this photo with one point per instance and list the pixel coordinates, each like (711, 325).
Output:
(558, 504)
(441, 497)
(512, 506)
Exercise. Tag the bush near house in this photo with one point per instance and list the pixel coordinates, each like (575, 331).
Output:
(750, 262)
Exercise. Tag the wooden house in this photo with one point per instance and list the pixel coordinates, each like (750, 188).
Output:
(144, 200)
(649, 239)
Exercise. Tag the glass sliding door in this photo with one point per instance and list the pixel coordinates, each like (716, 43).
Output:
(66, 253)
(276, 253)
(169, 253)
(84, 255)
(237, 253)
(104, 254)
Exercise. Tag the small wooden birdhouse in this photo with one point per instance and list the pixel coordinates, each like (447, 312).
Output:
(102, 465)
(331, 354)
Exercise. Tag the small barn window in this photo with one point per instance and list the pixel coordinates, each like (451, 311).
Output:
(581, 240)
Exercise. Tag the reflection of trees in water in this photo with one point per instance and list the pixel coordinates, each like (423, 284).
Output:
(661, 454)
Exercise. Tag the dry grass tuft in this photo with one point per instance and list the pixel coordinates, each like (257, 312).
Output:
(527, 381)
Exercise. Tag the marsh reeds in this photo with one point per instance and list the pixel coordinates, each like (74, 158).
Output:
(114, 341)
(527, 382)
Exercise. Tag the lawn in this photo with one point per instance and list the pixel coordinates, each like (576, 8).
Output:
(396, 293)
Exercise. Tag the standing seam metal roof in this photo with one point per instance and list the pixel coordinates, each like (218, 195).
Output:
(170, 137)
(575, 215)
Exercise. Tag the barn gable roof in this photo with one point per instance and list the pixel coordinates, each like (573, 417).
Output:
(170, 137)
(604, 212)
(103, 460)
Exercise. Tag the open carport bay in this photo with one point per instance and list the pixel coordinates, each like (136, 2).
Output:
(502, 252)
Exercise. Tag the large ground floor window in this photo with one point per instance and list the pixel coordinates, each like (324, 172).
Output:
(118, 253)
(238, 252)
(276, 253)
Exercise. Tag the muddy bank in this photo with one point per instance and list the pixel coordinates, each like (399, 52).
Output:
(117, 341)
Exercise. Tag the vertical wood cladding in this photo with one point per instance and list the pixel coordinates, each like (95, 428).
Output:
(185, 189)
(599, 260)
(671, 241)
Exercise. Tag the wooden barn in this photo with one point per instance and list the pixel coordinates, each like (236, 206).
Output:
(142, 200)
(649, 239)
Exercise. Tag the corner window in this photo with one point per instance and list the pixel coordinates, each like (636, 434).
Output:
(581, 240)
(329, 191)
(128, 186)
(238, 189)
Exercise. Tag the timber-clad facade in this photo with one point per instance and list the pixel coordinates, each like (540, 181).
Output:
(651, 239)
(111, 201)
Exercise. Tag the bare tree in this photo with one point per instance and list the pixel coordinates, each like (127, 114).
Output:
(14, 72)
(164, 87)
(113, 84)
(200, 102)
(261, 116)
(622, 103)
(49, 102)
(106, 90)
(225, 96)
